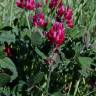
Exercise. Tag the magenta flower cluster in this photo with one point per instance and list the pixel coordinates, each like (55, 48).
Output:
(56, 33)
(27, 4)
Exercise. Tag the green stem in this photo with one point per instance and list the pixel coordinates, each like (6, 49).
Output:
(11, 13)
(76, 87)
(48, 80)
(4, 10)
(28, 23)
(28, 20)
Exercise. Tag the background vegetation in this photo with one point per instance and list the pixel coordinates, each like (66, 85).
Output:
(26, 74)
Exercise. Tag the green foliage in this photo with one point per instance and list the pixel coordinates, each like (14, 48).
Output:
(36, 39)
(6, 63)
(10, 37)
(57, 94)
(38, 77)
(4, 79)
(2, 55)
(26, 73)
(85, 65)
(42, 55)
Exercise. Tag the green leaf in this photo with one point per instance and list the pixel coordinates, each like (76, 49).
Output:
(2, 55)
(7, 36)
(85, 63)
(20, 85)
(57, 94)
(41, 54)
(4, 79)
(7, 63)
(38, 77)
(36, 38)
(75, 33)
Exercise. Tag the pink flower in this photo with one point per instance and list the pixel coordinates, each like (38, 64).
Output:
(30, 4)
(8, 51)
(46, 1)
(20, 3)
(38, 20)
(69, 23)
(53, 3)
(56, 34)
(68, 13)
(68, 17)
(38, 5)
(60, 10)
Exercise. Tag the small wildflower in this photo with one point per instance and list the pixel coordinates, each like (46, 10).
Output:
(56, 34)
(38, 20)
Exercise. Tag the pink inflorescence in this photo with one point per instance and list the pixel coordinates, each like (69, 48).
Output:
(56, 34)
(38, 5)
(60, 10)
(30, 4)
(46, 1)
(54, 3)
(63, 14)
(68, 17)
(27, 4)
(8, 51)
(20, 3)
(38, 20)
